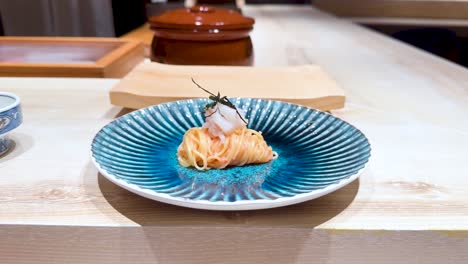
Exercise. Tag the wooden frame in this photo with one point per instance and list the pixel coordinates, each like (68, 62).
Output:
(114, 64)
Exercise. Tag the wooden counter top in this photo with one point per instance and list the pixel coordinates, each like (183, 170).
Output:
(410, 204)
(429, 9)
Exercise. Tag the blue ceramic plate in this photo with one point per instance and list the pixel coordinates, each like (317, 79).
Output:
(318, 154)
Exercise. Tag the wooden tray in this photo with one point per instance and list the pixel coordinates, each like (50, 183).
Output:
(154, 83)
(68, 57)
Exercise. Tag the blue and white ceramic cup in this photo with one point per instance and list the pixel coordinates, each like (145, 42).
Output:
(10, 118)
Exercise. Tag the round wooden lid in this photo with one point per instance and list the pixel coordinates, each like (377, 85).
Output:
(203, 18)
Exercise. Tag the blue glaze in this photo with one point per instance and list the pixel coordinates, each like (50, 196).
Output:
(4, 144)
(315, 150)
(10, 119)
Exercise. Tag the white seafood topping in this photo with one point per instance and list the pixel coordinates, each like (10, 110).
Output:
(222, 120)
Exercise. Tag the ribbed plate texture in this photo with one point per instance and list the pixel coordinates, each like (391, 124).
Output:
(315, 150)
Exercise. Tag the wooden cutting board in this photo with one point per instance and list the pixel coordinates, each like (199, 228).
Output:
(154, 83)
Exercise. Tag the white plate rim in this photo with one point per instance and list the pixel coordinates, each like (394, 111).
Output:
(12, 105)
(228, 206)
(242, 205)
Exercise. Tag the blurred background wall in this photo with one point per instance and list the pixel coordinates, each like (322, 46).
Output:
(101, 18)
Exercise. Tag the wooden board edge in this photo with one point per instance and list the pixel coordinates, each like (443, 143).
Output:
(123, 49)
(62, 39)
(57, 70)
(126, 60)
(23, 244)
(133, 101)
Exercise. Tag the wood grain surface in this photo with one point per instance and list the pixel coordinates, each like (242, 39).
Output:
(154, 83)
(436, 9)
(409, 206)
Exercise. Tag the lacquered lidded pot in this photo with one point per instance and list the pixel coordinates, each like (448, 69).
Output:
(202, 35)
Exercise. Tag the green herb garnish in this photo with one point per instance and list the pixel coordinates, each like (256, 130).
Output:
(218, 99)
